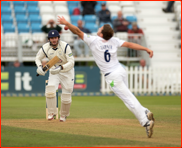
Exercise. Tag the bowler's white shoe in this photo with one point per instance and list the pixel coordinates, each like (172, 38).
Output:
(62, 118)
(150, 116)
(149, 128)
(50, 116)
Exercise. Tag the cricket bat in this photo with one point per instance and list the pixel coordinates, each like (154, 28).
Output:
(51, 63)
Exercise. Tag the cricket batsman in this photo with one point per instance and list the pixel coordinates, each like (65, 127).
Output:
(62, 72)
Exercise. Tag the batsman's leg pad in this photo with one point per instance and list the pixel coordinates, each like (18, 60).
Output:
(50, 94)
(50, 91)
(65, 104)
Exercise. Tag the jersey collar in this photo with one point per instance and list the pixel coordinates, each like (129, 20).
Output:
(54, 48)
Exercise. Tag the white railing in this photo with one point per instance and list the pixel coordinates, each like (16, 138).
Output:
(24, 46)
(150, 80)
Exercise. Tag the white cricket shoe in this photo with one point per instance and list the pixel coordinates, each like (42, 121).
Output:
(62, 118)
(150, 116)
(149, 128)
(50, 116)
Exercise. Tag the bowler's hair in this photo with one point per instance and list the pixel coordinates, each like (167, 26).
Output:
(107, 32)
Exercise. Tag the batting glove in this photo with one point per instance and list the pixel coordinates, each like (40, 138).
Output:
(56, 70)
(40, 70)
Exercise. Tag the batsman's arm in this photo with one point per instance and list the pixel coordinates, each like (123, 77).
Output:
(70, 64)
(40, 55)
(71, 27)
(137, 47)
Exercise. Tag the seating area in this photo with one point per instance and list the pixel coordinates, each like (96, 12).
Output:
(36, 13)
(25, 18)
(161, 32)
(20, 16)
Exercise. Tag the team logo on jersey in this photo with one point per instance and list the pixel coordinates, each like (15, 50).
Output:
(60, 53)
(88, 36)
(70, 54)
(52, 32)
(112, 84)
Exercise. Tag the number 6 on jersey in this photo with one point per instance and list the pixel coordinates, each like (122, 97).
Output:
(107, 56)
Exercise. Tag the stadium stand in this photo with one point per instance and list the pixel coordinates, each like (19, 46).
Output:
(158, 32)
(73, 3)
(113, 3)
(23, 27)
(114, 8)
(8, 27)
(19, 3)
(35, 19)
(75, 18)
(44, 3)
(60, 9)
(10, 40)
(5, 10)
(20, 18)
(97, 8)
(33, 10)
(101, 2)
(128, 10)
(89, 19)
(92, 27)
(6, 18)
(32, 3)
(24, 19)
(126, 4)
(5, 3)
(36, 27)
(46, 9)
(131, 18)
(20, 10)
(46, 18)
(60, 3)
(38, 37)
(26, 39)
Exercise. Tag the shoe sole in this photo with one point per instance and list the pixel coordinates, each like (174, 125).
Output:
(62, 120)
(52, 118)
(150, 116)
(151, 129)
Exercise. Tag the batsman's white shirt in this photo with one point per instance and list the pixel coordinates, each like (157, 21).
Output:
(105, 55)
(63, 51)
(65, 76)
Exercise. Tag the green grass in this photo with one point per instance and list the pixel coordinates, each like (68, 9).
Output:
(88, 107)
(166, 109)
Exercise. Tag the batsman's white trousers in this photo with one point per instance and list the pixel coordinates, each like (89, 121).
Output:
(66, 80)
(118, 81)
(67, 83)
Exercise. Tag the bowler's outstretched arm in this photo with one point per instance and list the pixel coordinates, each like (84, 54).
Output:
(71, 27)
(137, 47)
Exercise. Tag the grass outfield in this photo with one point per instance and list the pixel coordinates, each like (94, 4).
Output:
(93, 122)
